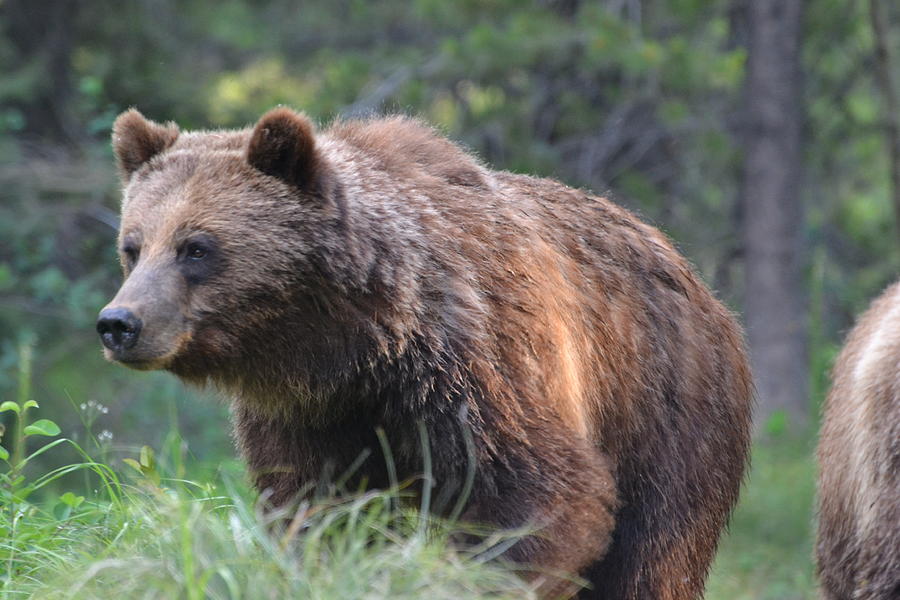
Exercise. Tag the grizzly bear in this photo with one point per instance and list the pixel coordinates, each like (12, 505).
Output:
(374, 282)
(858, 546)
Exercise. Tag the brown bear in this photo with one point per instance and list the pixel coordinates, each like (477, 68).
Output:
(375, 277)
(858, 546)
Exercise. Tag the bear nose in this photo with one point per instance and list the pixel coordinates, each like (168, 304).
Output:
(118, 328)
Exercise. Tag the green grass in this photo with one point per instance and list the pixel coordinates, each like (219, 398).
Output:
(216, 547)
(767, 553)
(160, 537)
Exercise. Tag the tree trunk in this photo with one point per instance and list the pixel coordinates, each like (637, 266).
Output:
(772, 210)
(886, 69)
(42, 35)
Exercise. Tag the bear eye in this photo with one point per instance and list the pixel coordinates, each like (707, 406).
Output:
(132, 253)
(196, 251)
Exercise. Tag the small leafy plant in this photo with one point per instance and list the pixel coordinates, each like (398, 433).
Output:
(13, 479)
(30, 534)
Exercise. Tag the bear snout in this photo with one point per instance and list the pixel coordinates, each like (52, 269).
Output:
(119, 329)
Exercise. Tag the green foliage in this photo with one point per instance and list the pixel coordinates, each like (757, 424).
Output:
(851, 232)
(32, 535)
(196, 545)
(145, 465)
(42, 427)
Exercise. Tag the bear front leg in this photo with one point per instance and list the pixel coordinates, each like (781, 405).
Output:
(289, 460)
(272, 454)
(568, 496)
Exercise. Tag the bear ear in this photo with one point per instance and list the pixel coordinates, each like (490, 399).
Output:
(283, 145)
(136, 140)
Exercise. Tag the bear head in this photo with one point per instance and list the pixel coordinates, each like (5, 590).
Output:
(219, 232)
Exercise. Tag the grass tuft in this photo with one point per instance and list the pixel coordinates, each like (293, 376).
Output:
(179, 540)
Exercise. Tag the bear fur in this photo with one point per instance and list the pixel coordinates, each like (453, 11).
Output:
(858, 545)
(375, 277)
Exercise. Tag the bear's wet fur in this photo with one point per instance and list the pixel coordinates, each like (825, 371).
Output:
(375, 276)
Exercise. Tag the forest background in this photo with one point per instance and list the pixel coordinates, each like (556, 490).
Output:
(761, 136)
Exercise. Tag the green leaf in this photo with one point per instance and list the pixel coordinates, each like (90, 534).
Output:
(61, 512)
(43, 427)
(70, 499)
(147, 457)
(4, 454)
(9, 405)
(29, 404)
(133, 464)
(22, 494)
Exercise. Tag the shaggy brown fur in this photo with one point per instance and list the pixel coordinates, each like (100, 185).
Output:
(858, 547)
(375, 275)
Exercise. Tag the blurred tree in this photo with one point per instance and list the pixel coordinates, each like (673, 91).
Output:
(887, 68)
(39, 84)
(771, 198)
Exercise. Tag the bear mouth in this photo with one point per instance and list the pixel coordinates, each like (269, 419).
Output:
(140, 362)
(145, 359)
